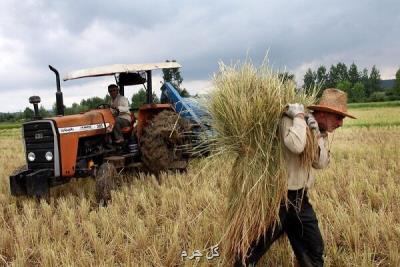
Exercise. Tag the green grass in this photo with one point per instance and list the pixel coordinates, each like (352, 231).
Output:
(376, 124)
(374, 117)
(375, 104)
(9, 125)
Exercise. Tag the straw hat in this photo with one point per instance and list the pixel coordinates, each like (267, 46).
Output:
(334, 101)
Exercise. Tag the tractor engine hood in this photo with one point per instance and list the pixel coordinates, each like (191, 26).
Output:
(86, 124)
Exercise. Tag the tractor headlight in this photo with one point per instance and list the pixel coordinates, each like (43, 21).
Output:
(49, 156)
(31, 156)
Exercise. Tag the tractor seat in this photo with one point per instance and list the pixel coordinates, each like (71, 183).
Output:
(127, 129)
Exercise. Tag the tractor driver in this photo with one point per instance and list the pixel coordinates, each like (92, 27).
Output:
(120, 110)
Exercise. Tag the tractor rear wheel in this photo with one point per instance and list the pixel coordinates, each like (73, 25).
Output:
(162, 141)
(105, 182)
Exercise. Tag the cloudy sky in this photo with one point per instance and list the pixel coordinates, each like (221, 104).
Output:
(73, 35)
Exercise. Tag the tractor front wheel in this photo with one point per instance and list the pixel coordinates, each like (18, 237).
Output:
(105, 182)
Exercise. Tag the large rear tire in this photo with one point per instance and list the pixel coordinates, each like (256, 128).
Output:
(105, 182)
(162, 141)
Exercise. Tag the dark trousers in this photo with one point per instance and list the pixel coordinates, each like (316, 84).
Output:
(119, 124)
(300, 224)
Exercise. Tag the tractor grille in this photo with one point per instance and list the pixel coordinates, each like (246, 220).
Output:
(39, 139)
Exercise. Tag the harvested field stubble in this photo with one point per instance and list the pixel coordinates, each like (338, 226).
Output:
(356, 200)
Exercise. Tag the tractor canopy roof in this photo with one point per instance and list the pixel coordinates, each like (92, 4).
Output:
(118, 69)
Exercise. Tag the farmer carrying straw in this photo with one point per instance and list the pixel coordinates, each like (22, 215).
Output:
(297, 218)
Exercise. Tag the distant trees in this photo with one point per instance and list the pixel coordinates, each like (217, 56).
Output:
(373, 82)
(321, 76)
(28, 113)
(84, 105)
(354, 75)
(74, 109)
(25, 115)
(359, 85)
(358, 92)
(309, 80)
(318, 78)
(93, 102)
(11, 116)
(44, 112)
(139, 99)
(174, 77)
(286, 76)
(396, 89)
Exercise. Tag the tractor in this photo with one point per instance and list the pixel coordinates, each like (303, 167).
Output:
(59, 148)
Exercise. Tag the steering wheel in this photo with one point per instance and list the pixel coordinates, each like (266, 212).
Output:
(103, 106)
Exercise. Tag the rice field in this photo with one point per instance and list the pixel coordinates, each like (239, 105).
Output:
(356, 200)
(10, 125)
(374, 116)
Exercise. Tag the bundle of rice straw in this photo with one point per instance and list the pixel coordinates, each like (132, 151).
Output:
(246, 107)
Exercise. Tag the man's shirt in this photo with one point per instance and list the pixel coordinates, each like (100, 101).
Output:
(293, 133)
(122, 104)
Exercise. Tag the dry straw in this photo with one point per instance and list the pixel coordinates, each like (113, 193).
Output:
(246, 107)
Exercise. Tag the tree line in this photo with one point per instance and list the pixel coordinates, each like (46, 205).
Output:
(361, 86)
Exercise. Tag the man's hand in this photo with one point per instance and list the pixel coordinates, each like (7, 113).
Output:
(295, 110)
(323, 134)
(114, 111)
(312, 123)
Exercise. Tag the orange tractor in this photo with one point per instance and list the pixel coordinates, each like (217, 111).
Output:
(62, 147)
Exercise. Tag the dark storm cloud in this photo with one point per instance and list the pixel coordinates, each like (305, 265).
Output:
(298, 34)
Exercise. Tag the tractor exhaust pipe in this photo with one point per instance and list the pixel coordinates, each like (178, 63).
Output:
(149, 95)
(59, 95)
